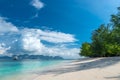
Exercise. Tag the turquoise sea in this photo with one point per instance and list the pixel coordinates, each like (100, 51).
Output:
(9, 68)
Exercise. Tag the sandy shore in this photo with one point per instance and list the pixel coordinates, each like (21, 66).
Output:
(86, 69)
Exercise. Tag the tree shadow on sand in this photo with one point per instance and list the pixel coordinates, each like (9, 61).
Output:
(98, 63)
(114, 77)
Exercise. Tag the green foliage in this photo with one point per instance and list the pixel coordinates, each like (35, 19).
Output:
(86, 49)
(105, 40)
(113, 49)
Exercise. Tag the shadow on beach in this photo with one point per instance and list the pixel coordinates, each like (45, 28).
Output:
(114, 77)
(78, 66)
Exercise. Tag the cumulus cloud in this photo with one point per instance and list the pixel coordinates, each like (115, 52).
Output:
(56, 37)
(30, 41)
(37, 4)
(3, 49)
(51, 36)
(67, 53)
(7, 26)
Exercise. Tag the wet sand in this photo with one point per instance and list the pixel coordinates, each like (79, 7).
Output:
(83, 69)
(86, 69)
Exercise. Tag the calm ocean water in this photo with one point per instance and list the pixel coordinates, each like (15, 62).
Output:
(10, 68)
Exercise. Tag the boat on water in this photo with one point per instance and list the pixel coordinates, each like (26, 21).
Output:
(15, 58)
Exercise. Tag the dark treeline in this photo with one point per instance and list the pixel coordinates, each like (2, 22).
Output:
(105, 40)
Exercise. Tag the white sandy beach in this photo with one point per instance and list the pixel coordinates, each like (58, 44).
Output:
(85, 69)
(89, 69)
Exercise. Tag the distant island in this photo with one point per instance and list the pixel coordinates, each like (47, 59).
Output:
(105, 40)
(26, 56)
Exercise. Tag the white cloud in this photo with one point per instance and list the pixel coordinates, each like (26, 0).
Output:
(3, 49)
(37, 4)
(7, 26)
(30, 41)
(67, 53)
(51, 36)
(56, 37)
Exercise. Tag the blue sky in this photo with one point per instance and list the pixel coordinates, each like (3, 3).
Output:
(76, 18)
(79, 17)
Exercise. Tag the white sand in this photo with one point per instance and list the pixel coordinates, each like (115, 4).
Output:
(87, 69)
(90, 69)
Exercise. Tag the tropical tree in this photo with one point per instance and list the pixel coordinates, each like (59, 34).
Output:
(105, 40)
(86, 49)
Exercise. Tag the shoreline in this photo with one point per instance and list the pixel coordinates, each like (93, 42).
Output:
(104, 68)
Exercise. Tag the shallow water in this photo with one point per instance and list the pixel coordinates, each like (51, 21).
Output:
(15, 68)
